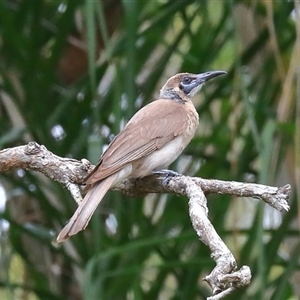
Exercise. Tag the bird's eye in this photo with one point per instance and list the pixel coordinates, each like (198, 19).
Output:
(186, 80)
(187, 84)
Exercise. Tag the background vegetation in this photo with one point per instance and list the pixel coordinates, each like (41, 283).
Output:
(73, 72)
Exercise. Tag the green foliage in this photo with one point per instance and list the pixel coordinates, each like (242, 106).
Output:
(146, 248)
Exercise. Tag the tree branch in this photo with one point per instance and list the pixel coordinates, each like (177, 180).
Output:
(224, 278)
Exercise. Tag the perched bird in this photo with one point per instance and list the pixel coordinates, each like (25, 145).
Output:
(152, 139)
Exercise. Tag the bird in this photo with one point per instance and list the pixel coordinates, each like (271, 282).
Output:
(151, 140)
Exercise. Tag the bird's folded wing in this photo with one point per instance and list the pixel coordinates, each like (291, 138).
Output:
(150, 129)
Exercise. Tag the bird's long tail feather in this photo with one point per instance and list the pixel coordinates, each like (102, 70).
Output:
(86, 208)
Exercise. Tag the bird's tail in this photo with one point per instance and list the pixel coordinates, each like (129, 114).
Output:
(86, 208)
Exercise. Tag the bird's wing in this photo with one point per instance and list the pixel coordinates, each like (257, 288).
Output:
(149, 129)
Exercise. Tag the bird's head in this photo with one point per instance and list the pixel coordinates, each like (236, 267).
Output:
(185, 85)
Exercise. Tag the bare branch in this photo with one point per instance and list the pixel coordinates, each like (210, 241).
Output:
(171, 182)
(37, 158)
(224, 278)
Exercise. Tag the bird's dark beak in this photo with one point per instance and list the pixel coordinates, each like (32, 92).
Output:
(201, 78)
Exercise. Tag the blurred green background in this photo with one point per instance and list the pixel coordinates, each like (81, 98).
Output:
(73, 72)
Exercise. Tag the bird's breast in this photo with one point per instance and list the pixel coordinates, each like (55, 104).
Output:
(193, 121)
(159, 159)
(163, 157)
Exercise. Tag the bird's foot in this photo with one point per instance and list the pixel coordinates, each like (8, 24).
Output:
(166, 175)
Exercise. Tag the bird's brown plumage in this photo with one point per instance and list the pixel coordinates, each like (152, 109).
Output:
(155, 129)
(153, 138)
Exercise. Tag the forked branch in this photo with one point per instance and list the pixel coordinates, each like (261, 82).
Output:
(224, 278)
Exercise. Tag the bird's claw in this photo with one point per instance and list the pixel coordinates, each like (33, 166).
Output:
(166, 175)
